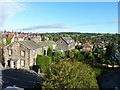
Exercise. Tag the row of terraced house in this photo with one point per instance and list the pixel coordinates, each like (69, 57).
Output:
(21, 53)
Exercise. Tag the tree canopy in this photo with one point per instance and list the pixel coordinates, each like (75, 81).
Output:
(43, 61)
(67, 74)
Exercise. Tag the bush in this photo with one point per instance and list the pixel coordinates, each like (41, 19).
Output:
(49, 52)
(43, 61)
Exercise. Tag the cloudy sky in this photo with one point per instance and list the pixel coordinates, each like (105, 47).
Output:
(91, 17)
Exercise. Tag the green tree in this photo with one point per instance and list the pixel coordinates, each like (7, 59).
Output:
(79, 56)
(72, 53)
(57, 56)
(102, 61)
(55, 38)
(108, 62)
(49, 52)
(43, 61)
(67, 74)
(8, 40)
(91, 58)
(111, 48)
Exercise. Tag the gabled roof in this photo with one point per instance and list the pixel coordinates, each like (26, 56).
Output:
(30, 44)
(21, 36)
(87, 45)
(11, 35)
(68, 40)
(46, 43)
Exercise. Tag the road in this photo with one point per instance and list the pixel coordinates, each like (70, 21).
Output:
(20, 78)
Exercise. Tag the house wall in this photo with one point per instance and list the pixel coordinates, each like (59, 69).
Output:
(61, 45)
(71, 46)
(29, 57)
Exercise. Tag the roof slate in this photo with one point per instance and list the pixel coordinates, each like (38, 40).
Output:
(46, 43)
(30, 44)
(68, 40)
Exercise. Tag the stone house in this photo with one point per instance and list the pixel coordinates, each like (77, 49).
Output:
(87, 47)
(21, 54)
(65, 44)
(102, 46)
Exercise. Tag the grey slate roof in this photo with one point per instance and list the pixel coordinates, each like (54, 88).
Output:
(68, 40)
(46, 43)
(30, 44)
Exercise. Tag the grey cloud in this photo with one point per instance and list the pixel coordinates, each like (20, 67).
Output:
(52, 26)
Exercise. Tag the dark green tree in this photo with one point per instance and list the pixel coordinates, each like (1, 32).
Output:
(79, 56)
(111, 48)
(67, 74)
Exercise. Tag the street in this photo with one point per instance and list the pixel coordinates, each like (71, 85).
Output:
(20, 78)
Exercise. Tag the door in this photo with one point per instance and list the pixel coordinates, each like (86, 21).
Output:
(8, 63)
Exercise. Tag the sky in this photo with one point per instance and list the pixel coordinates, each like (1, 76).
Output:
(42, 17)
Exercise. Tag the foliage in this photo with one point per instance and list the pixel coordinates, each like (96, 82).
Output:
(102, 60)
(43, 38)
(115, 57)
(43, 61)
(8, 41)
(79, 56)
(110, 49)
(108, 62)
(49, 52)
(78, 47)
(67, 74)
(55, 38)
(57, 56)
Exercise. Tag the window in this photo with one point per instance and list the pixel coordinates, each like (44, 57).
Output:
(22, 53)
(10, 52)
(22, 63)
(33, 51)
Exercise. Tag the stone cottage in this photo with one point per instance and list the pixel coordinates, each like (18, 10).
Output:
(65, 44)
(21, 54)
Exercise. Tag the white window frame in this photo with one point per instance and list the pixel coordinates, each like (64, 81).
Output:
(34, 52)
(22, 63)
(22, 53)
(10, 52)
